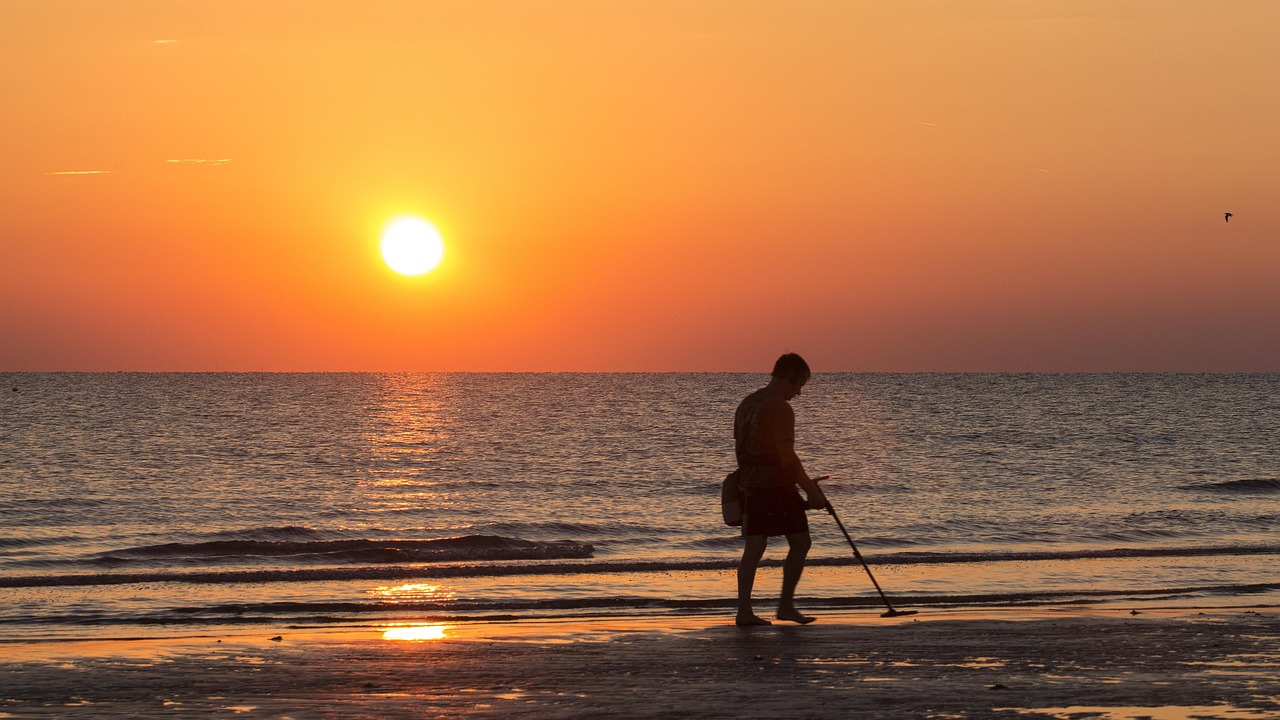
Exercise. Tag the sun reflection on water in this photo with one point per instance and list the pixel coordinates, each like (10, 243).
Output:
(412, 592)
(410, 426)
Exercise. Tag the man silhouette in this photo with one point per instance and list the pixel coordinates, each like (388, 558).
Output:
(768, 473)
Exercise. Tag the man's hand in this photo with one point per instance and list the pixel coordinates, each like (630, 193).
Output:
(818, 500)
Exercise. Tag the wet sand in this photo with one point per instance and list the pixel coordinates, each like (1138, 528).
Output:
(1183, 663)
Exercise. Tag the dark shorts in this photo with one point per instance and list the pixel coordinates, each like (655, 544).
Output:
(774, 511)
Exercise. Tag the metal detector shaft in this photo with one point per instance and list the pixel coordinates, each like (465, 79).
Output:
(858, 555)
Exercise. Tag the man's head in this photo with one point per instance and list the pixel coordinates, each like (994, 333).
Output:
(792, 368)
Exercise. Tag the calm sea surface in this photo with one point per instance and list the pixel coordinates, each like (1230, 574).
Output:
(170, 503)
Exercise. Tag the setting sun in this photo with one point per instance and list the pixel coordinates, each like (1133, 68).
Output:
(412, 246)
(959, 187)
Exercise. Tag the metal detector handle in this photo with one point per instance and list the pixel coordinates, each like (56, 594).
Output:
(815, 482)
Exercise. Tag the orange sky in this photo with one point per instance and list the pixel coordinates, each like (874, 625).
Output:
(641, 185)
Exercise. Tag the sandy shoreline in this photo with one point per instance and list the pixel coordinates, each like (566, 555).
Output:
(1215, 662)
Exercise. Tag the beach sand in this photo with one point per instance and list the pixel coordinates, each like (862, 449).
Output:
(1015, 663)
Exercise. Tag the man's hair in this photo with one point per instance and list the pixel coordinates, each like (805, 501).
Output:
(790, 366)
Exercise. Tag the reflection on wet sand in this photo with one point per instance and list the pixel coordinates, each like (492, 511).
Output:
(416, 633)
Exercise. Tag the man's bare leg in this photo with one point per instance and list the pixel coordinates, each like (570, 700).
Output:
(753, 547)
(792, 568)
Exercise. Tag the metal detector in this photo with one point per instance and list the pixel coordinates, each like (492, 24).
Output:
(891, 612)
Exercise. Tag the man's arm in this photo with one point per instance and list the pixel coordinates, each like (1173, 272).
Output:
(792, 468)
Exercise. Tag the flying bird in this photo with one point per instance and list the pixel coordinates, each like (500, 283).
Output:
(1228, 217)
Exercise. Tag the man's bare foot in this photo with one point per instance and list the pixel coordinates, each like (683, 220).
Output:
(750, 620)
(794, 616)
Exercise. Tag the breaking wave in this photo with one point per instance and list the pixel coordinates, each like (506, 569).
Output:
(550, 559)
(352, 552)
(1250, 485)
(310, 614)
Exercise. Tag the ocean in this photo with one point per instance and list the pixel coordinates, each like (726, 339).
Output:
(141, 505)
